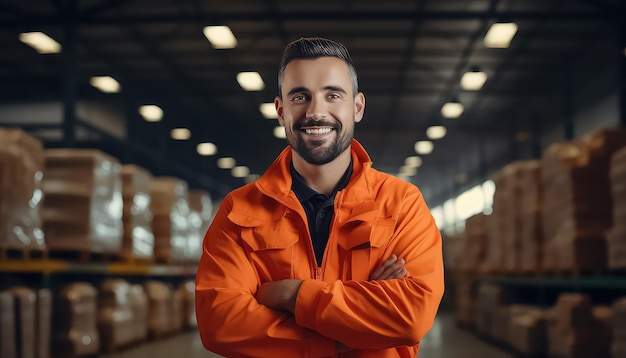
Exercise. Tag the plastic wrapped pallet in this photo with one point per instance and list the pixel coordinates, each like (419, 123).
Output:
(201, 215)
(475, 251)
(528, 331)
(21, 173)
(188, 291)
(160, 303)
(43, 322)
(138, 239)
(616, 237)
(138, 301)
(7, 326)
(115, 315)
(529, 213)
(75, 330)
(83, 201)
(619, 328)
(25, 301)
(574, 331)
(496, 255)
(577, 200)
(170, 224)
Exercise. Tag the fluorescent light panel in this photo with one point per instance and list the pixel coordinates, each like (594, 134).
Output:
(226, 163)
(220, 37)
(452, 110)
(240, 171)
(500, 35)
(413, 161)
(206, 149)
(268, 110)
(250, 81)
(408, 171)
(436, 132)
(41, 42)
(151, 113)
(279, 132)
(106, 84)
(473, 81)
(424, 147)
(180, 133)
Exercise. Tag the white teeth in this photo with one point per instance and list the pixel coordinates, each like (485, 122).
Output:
(318, 130)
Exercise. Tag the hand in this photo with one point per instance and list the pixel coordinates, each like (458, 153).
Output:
(392, 268)
(279, 295)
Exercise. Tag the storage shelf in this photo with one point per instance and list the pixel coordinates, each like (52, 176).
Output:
(581, 282)
(61, 266)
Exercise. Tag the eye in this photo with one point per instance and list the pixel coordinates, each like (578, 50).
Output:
(299, 98)
(334, 95)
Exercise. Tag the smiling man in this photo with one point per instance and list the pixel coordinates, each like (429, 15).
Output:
(323, 256)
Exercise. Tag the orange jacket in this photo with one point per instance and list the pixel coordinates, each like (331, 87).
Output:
(260, 234)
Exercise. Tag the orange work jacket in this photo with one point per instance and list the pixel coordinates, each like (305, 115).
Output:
(260, 233)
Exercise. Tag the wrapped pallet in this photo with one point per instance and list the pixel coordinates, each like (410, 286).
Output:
(476, 236)
(7, 326)
(530, 205)
(170, 223)
(25, 301)
(138, 301)
(115, 315)
(160, 309)
(490, 299)
(201, 215)
(574, 331)
(178, 313)
(21, 174)
(188, 292)
(528, 332)
(618, 348)
(83, 201)
(138, 239)
(577, 200)
(75, 332)
(43, 323)
(616, 238)
(496, 224)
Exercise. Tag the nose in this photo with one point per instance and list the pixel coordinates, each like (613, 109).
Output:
(316, 109)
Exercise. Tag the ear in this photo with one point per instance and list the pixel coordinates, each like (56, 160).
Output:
(359, 107)
(278, 103)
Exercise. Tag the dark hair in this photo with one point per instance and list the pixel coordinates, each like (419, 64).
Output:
(314, 47)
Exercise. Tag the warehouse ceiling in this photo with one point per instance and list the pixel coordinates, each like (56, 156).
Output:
(410, 56)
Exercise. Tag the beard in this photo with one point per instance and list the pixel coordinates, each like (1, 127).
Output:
(319, 152)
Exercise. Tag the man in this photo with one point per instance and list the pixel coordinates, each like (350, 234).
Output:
(323, 256)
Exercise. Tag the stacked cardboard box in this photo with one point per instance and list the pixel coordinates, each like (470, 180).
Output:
(170, 223)
(574, 331)
(161, 305)
(530, 203)
(465, 302)
(138, 301)
(75, 321)
(116, 318)
(490, 299)
(43, 322)
(616, 238)
(528, 332)
(577, 200)
(619, 328)
(188, 291)
(138, 239)
(83, 201)
(201, 208)
(475, 244)
(7, 326)
(21, 173)
(453, 247)
(496, 223)
(25, 301)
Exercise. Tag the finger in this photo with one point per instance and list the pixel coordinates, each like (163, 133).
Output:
(391, 271)
(384, 266)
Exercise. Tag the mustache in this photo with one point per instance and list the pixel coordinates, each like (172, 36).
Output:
(315, 123)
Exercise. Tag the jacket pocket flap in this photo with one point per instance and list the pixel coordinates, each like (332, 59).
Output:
(366, 235)
(247, 220)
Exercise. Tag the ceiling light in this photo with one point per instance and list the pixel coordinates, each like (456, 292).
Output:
(408, 171)
(424, 147)
(251, 177)
(106, 84)
(452, 110)
(436, 132)
(226, 163)
(220, 37)
(413, 161)
(207, 149)
(250, 81)
(151, 113)
(500, 35)
(268, 110)
(240, 171)
(41, 42)
(473, 81)
(279, 132)
(180, 133)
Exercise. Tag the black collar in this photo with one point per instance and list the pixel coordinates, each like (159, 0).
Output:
(304, 192)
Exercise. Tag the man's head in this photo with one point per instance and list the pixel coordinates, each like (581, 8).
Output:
(319, 102)
(315, 47)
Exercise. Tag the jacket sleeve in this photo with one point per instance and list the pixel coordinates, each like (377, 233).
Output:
(386, 313)
(230, 320)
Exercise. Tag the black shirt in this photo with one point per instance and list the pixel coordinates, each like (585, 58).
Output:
(319, 209)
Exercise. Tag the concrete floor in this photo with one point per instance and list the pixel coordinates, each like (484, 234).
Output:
(445, 340)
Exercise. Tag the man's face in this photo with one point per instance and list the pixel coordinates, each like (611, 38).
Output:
(318, 108)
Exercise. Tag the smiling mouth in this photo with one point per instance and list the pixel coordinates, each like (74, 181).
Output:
(318, 131)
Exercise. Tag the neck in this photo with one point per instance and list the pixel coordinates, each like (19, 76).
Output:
(322, 178)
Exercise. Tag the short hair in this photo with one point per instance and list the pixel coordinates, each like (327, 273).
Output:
(315, 47)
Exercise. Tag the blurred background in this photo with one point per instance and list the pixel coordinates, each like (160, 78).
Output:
(123, 124)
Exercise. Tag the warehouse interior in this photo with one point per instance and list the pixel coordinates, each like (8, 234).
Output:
(122, 134)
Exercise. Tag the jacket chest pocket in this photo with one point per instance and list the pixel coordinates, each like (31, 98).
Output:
(364, 244)
(271, 248)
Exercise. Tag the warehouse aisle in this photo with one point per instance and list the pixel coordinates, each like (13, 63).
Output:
(445, 340)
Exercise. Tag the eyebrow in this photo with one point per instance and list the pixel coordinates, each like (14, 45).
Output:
(326, 88)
